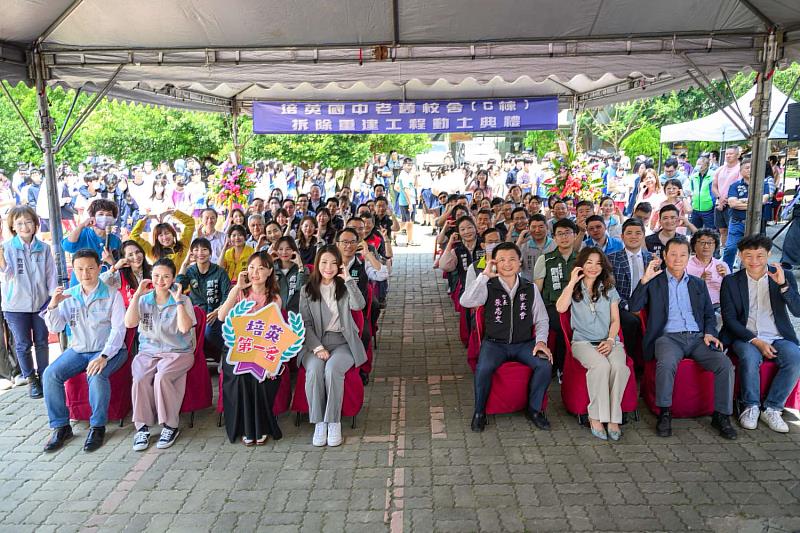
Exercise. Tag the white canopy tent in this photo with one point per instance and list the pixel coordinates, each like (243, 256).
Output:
(221, 55)
(725, 126)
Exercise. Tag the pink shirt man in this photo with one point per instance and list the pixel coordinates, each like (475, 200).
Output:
(726, 176)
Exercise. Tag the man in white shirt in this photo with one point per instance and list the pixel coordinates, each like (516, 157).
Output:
(755, 303)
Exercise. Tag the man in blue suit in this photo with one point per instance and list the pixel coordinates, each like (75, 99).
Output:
(629, 265)
(681, 323)
(755, 303)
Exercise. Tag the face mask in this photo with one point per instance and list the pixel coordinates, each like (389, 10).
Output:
(104, 221)
(489, 248)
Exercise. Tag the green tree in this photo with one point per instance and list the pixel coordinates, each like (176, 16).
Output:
(542, 141)
(615, 123)
(645, 141)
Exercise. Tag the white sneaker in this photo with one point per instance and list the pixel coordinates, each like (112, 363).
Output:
(749, 417)
(141, 440)
(6, 384)
(334, 434)
(20, 381)
(320, 434)
(773, 419)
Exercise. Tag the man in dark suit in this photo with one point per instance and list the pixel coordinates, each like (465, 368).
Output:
(681, 323)
(628, 266)
(755, 303)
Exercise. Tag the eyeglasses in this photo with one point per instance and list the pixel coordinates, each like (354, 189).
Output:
(348, 243)
(706, 243)
(564, 234)
(24, 224)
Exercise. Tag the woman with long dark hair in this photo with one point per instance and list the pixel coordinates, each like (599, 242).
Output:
(126, 274)
(326, 232)
(595, 328)
(247, 403)
(307, 241)
(332, 344)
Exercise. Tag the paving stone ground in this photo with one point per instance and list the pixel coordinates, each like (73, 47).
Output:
(411, 463)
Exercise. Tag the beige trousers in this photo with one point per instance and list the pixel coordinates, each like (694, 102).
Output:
(606, 378)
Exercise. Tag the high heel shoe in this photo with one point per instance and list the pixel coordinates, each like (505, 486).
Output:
(599, 433)
(614, 435)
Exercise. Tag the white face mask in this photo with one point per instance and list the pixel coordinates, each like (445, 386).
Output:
(489, 248)
(104, 221)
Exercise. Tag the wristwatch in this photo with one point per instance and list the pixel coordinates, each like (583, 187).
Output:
(104, 356)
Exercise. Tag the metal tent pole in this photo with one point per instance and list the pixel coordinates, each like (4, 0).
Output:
(575, 124)
(47, 127)
(235, 131)
(759, 139)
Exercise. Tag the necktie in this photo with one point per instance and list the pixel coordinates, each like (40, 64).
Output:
(635, 274)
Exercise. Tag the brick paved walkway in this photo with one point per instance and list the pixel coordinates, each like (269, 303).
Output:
(411, 464)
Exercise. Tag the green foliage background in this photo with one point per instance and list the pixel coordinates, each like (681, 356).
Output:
(136, 133)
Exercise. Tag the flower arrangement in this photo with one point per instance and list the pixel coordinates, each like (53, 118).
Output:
(578, 182)
(231, 185)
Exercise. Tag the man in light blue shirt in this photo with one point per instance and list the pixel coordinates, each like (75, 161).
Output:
(598, 236)
(681, 323)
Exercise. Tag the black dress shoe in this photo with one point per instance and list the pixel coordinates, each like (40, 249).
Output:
(723, 424)
(478, 422)
(664, 425)
(58, 438)
(94, 439)
(539, 419)
(35, 386)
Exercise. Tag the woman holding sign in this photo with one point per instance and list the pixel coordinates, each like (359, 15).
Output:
(332, 344)
(247, 402)
(166, 321)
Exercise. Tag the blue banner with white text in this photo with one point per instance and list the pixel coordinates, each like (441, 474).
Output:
(434, 116)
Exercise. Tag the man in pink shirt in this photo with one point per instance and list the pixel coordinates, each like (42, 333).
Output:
(724, 177)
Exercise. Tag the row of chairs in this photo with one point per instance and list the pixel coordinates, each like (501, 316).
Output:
(198, 393)
(693, 395)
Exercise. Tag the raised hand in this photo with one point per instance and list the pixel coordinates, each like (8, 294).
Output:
(145, 286)
(652, 270)
(243, 281)
(58, 297)
(576, 276)
(778, 276)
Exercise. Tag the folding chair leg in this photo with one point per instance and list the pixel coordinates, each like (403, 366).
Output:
(353, 423)
(297, 420)
(191, 419)
(121, 422)
(219, 420)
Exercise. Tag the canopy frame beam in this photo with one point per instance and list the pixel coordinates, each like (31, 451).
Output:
(47, 126)
(718, 104)
(758, 13)
(20, 115)
(760, 139)
(56, 23)
(718, 98)
(69, 114)
(733, 95)
(88, 111)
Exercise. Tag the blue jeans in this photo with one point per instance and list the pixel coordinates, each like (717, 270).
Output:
(703, 219)
(493, 354)
(750, 359)
(72, 363)
(21, 325)
(735, 234)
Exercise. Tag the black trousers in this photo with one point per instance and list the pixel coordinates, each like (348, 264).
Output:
(631, 328)
(561, 344)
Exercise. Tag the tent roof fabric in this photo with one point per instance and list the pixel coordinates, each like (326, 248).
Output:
(201, 54)
(719, 128)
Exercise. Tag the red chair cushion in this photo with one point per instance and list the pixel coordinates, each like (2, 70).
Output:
(120, 403)
(198, 394)
(693, 394)
(574, 391)
(353, 393)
